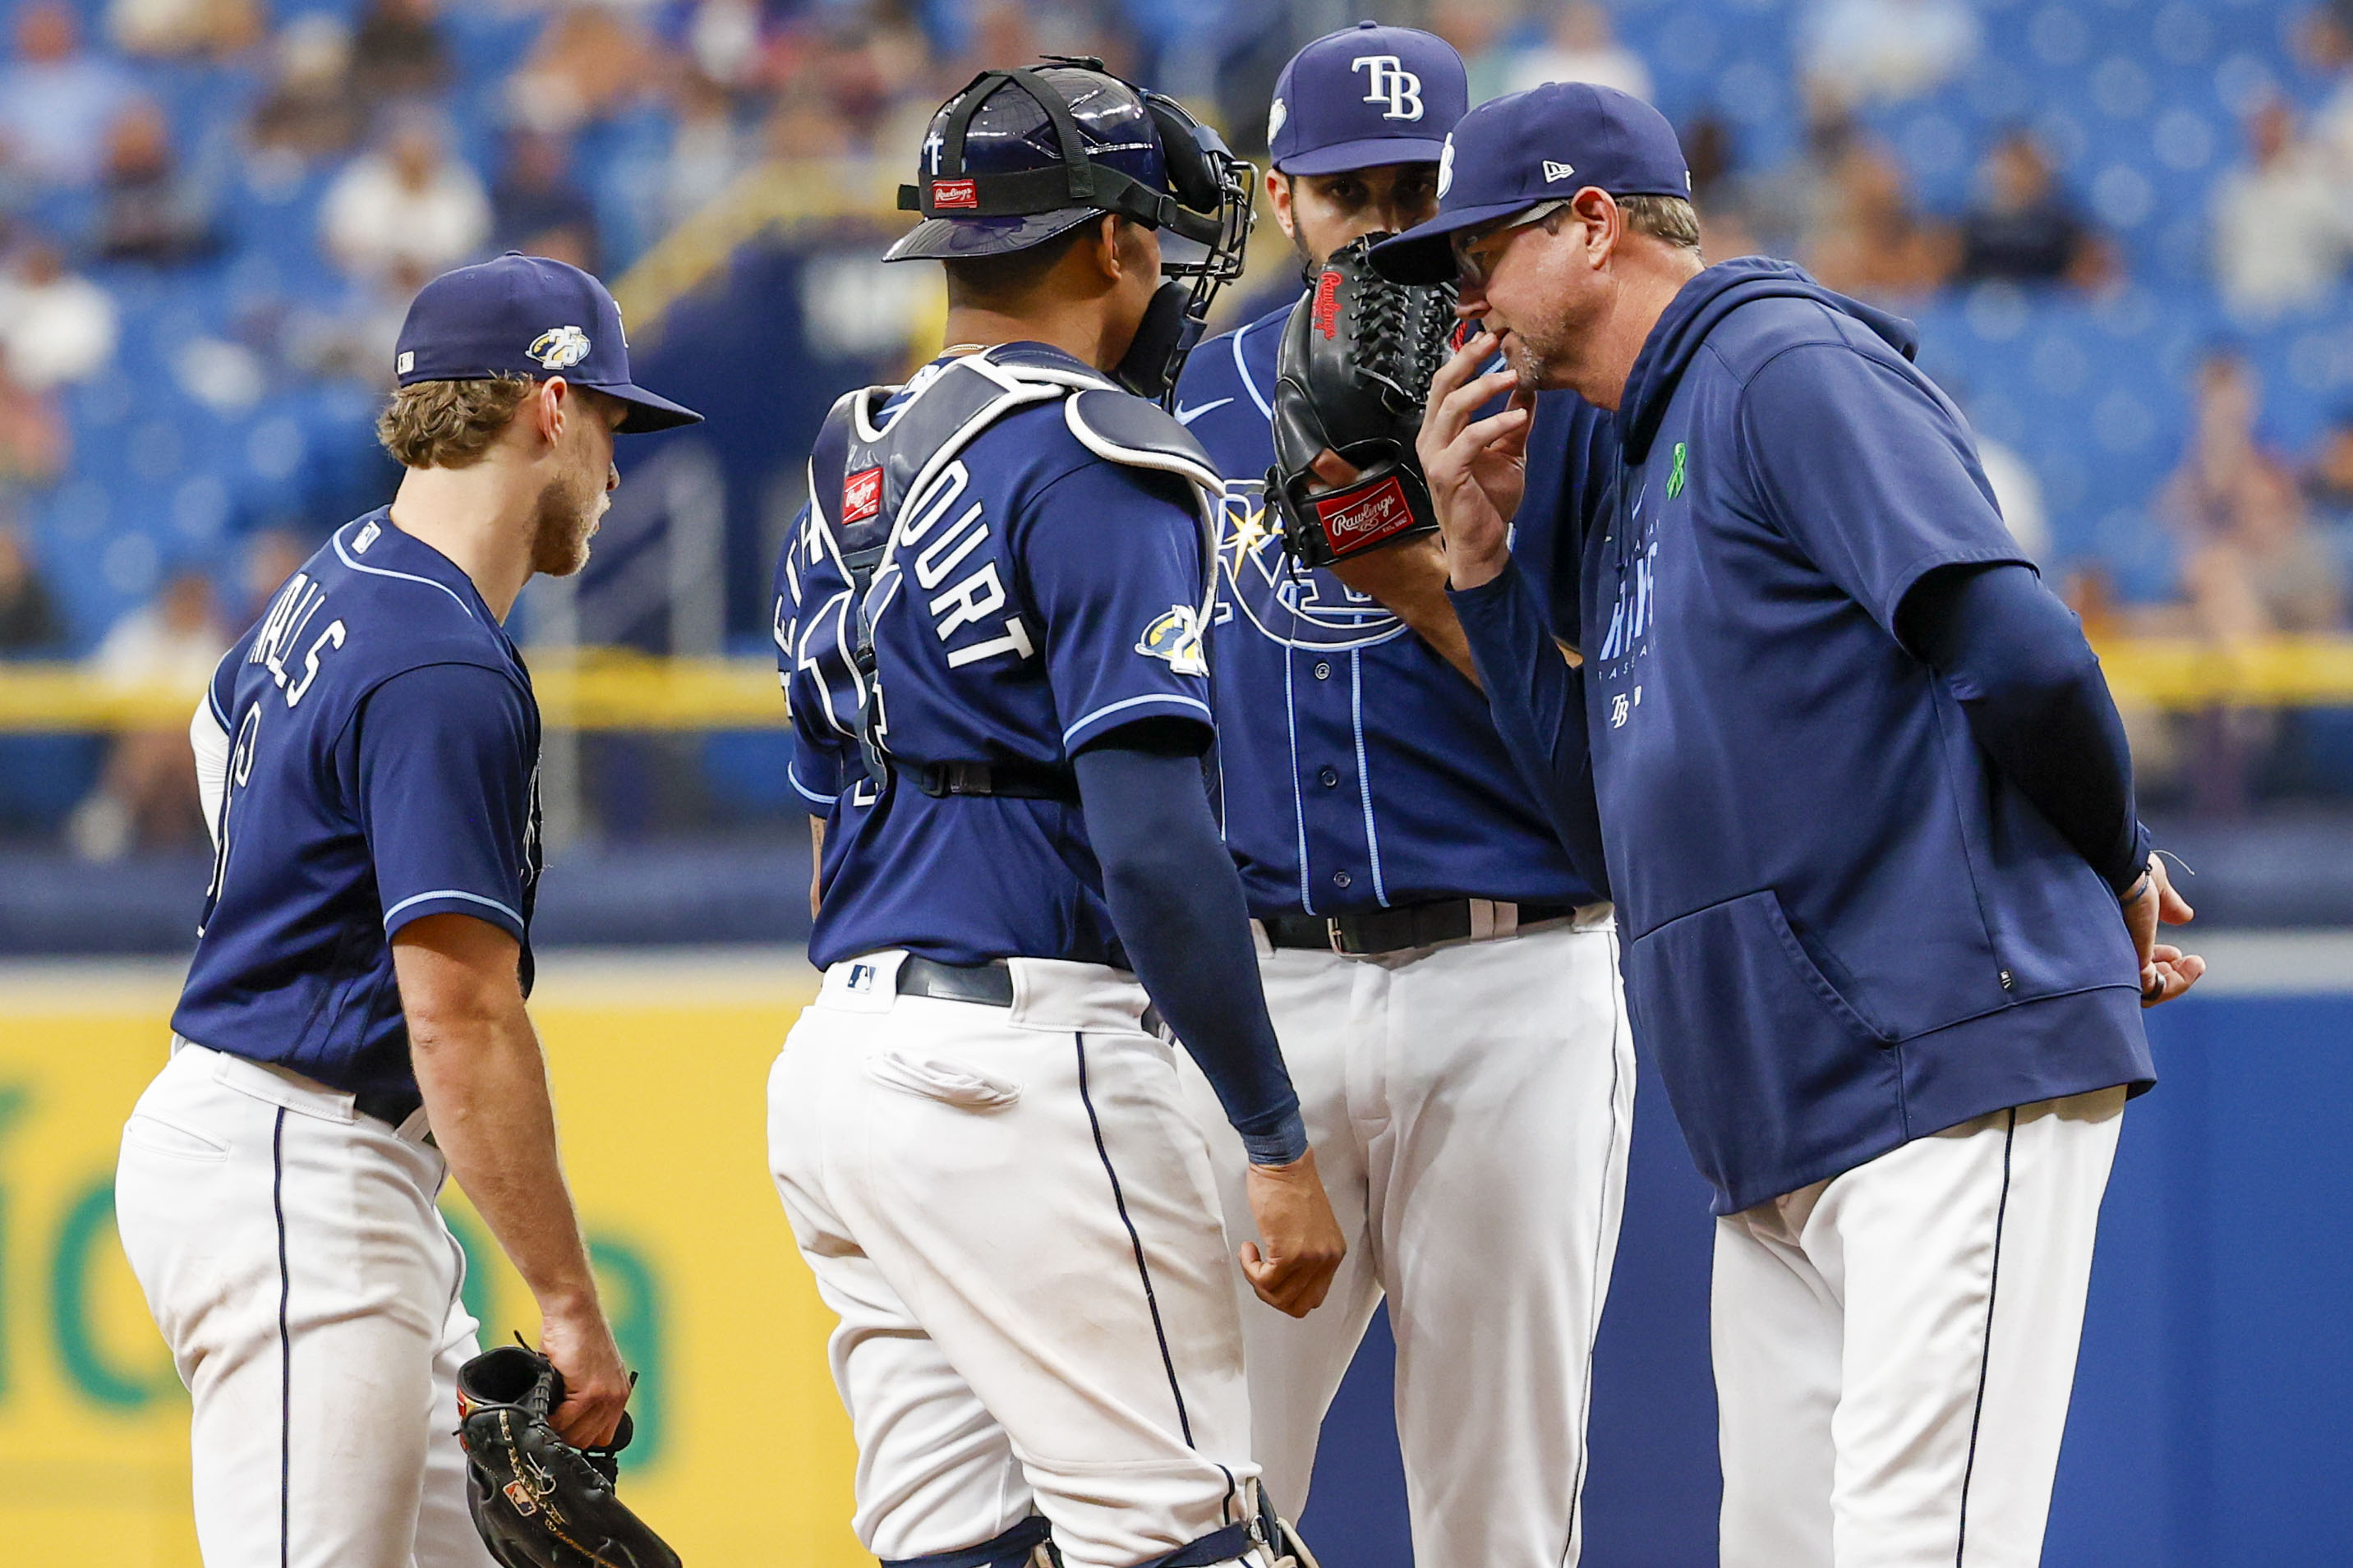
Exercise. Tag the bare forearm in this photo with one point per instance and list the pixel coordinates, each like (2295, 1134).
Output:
(485, 1087)
(1410, 580)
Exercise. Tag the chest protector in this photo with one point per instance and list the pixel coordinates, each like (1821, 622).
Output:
(867, 465)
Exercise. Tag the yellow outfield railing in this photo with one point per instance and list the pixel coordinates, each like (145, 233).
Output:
(613, 688)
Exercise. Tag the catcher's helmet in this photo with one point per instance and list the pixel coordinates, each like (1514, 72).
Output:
(1022, 156)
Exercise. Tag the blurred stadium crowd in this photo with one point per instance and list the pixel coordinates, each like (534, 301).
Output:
(2124, 225)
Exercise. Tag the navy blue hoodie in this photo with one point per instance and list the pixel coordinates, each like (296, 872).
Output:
(1844, 927)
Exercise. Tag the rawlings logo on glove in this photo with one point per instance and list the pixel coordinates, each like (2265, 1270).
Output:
(1351, 377)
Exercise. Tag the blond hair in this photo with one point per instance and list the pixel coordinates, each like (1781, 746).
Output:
(449, 424)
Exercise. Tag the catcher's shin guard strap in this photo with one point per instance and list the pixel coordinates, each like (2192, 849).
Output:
(1011, 1550)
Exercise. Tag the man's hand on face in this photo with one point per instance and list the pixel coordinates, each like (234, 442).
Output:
(1476, 469)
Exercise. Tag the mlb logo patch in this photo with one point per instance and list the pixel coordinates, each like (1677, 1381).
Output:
(954, 194)
(861, 496)
(1358, 518)
(861, 977)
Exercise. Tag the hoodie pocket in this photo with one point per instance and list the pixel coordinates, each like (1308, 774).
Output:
(1771, 1070)
(935, 1078)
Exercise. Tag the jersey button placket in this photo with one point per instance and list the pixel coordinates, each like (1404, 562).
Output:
(1341, 879)
(1329, 777)
(1323, 669)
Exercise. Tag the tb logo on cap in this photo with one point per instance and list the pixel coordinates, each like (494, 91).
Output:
(1387, 80)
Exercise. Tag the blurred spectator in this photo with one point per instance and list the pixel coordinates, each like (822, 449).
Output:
(183, 27)
(2329, 482)
(1717, 191)
(398, 51)
(352, 338)
(1478, 30)
(1789, 206)
(587, 63)
(2019, 495)
(1871, 242)
(724, 39)
(408, 203)
(150, 210)
(56, 101)
(536, 207)
(28, 618)
(147, 794)
(56, 326)
(271, 556)
(34, 440)
(1581, 47)
(311, 111)
(1886, 49)
(2024, 228)
(707, 149)
(2281, 227)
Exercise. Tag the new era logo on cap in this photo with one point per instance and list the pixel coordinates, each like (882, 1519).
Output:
(1493, 169)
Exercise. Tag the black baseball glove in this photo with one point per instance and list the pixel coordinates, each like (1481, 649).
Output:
(1352, 374)
(538, 1502)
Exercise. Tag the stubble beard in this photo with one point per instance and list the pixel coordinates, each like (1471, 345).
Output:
(564, 519)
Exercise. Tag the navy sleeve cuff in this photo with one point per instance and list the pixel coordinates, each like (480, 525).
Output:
(1287, 1144)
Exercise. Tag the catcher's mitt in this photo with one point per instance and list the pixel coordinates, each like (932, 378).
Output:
(538, 1502)
(1352, 374)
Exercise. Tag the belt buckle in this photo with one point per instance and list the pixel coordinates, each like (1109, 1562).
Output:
(1338, 937)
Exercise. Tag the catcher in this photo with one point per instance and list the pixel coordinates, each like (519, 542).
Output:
(1443, 984)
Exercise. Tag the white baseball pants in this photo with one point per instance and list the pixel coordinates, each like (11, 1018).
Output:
(1011, 1211)
(291, 1254)
(1471, 1106)
(1895, 1347)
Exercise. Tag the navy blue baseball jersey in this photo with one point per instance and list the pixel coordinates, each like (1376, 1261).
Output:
(383, 767)
(1845, 927)
(1036, 598)
(1358, 768)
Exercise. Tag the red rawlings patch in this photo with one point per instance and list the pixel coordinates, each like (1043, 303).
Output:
(954, 194)
(861, 496)
(1356, 520)
(1326, 315)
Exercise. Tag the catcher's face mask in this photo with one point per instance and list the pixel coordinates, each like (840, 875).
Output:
(1020, 156)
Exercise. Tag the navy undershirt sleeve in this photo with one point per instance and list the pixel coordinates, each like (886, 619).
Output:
(1538, 705)
(1176, 901)
(2015, 657)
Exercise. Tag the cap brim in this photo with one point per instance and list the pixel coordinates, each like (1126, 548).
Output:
(1422, 254)
(947, 239)
(649, 412)
(1371, 153)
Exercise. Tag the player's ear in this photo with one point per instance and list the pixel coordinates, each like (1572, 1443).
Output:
(1105, 246)
(1602, 222)
(1277, 196)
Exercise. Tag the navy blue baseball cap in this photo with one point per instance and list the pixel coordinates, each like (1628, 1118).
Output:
(1366, 96)
(1545, 144)
(526, 315)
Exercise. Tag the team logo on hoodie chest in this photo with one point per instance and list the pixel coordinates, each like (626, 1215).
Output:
(1630, 552)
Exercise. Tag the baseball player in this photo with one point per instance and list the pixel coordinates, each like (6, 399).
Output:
(991, 629)
(1868, 819)
(352, 1029)
(1444, 983)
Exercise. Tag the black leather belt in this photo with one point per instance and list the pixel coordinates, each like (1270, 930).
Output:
(990, 984)
(395, 1106)
(1392, 930)
(1016, 780)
